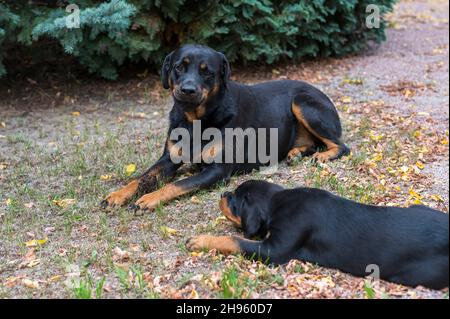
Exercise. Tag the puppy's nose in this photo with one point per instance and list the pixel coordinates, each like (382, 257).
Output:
(188, 89)
(226, 194)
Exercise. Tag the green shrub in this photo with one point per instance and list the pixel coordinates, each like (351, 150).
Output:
(120, 31)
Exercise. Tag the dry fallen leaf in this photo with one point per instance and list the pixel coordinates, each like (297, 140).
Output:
(13, 281)
(168, 231)
(76, 113)
(196, 254)
(30, 259)
(30, 283)
(54, 278)
(437, 198)
(105, 177)
(63, 203)
(36, 242)
(420, 165)
(33, 263)
(219, 220)
(120, 255)
(415, 195)
(194, 294)
(29, 205)
(195, 200)
(346, 99)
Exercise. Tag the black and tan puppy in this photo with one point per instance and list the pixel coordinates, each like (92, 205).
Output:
(199, 80)
(409, 245)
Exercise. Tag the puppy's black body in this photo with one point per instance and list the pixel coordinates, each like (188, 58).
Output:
(409, 245)
(199, 80)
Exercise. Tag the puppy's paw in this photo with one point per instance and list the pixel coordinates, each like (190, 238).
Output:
(198, 242)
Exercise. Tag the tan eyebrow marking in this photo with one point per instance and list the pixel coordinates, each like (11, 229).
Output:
(186, 60)
(203, 66)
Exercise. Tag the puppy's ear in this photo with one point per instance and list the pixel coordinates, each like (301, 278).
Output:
(252, 218)
(226, 70)
(165, 71)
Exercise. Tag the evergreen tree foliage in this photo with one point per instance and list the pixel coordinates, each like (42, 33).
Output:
(117, 31)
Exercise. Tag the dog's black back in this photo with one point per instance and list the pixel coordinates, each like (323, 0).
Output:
(408, 245)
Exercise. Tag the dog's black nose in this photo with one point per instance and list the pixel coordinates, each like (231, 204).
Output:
(188, 89)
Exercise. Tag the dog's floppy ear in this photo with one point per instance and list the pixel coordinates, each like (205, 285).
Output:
(226, 70)
(165, 71)
(252, 218)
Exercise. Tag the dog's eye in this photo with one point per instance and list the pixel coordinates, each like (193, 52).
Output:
(205, 72)
(179, 68)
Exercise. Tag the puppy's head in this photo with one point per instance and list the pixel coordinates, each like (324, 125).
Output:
(195, 73)
(248, 206)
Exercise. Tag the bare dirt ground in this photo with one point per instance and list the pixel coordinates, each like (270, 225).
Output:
(63, 146)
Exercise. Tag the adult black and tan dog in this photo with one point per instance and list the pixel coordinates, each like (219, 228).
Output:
(409, 245)
(199, 80)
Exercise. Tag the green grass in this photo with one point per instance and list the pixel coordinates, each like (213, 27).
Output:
(87, 287)
(235, 285)
(64, 159)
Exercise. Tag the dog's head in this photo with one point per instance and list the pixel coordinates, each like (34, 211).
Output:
(195, 73)
(248, 206)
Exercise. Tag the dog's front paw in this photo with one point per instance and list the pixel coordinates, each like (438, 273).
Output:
(321, 157)
(115, 199)
(148, 202)
(198, 242)
(120, 197)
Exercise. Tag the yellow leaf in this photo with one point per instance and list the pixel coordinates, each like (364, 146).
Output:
(415, 195)
(8, 202)
(437, 198)
(444, 141)
(420, 165)
(196, 254)
(353, 81)
(76, 113)
(36, 242)
(346, 99)
(54, 278)
(63, 203)
(375, 137)
(417, 134)
(377, 157)
(168, 231)
(219, 220)
(105, 177)
(130, 169)
(194, 294)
